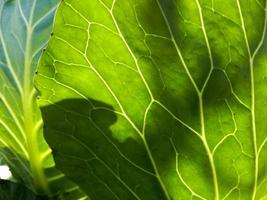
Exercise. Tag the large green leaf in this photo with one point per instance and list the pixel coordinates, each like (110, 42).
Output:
(158, 99)
(25, 27)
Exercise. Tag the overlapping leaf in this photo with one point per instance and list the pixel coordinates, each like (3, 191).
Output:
(158, 99)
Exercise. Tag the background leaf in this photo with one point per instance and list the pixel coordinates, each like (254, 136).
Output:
(25, 27)
(158, 99)
(13, 191)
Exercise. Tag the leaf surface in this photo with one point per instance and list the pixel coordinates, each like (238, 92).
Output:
(158, 99)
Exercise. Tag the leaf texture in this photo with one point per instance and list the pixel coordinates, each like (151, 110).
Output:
(158, 99)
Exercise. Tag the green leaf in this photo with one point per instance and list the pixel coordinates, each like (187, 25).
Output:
(158, 99)
(25, 27)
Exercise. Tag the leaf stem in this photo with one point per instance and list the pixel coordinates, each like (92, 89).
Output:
(39, 179)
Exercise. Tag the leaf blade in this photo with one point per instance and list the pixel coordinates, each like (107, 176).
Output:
(180, 84)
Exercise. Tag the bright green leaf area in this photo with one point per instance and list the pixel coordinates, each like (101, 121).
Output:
(25, 27)
(158, 99)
